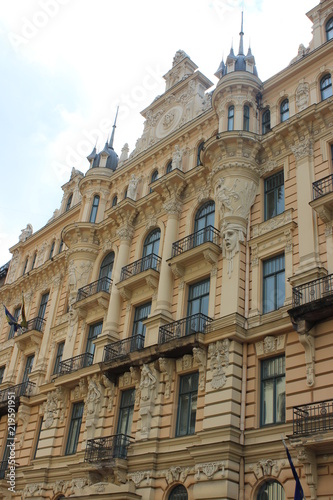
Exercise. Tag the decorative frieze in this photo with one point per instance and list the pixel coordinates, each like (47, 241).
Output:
(167, 367)
(267, 467)
(139, 476)
(270, 344)
(200, 357)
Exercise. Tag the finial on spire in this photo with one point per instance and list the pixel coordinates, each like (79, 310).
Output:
(241, 34)
(113, 130)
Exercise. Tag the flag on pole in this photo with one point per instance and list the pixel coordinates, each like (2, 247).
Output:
(24, 323)
(299, 494)
(10, 319)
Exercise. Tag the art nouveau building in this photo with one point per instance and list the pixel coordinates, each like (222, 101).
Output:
(180, 301)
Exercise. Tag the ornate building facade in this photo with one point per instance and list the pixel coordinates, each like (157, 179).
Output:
(179, 303)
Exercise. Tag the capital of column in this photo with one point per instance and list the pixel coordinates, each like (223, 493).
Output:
(125, 233)
(173, 207)
(302, 149)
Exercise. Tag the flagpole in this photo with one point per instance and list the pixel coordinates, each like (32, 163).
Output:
(299, 488)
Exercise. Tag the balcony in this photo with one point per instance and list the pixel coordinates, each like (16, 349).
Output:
(24, 389)
(106, 450)
(313, 418)
(322, 201)
(74, 364)
(96, 293)
(203, 244)
(33, 333)
(123, 348)
(142, 272)
(182, 335)
(312, 301)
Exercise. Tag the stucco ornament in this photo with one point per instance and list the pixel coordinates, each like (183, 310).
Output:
(302, 95)
(147, 383)
(167, 367)
(219, 361)
(93, 398)
(209, 469)
(179, 56)
(232, 235)
(51, 408)
(132, 187)
(177, 158)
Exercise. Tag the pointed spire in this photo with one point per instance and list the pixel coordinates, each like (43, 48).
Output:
(92, 154)
(113, 130)
(241, 34)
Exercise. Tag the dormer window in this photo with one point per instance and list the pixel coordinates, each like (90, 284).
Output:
(246, 118)
(266, 122)
(231, 114)
(284, 110)
(329, 29)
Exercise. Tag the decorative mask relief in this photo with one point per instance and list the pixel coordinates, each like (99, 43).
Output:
(232, 235)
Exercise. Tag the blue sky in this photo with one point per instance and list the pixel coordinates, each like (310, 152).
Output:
(66, 64)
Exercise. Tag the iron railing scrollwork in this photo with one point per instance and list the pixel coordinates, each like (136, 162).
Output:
(313, 418)
(313, 290)
(196, 323)
(323, 186)
(151, 261)
(37, 324)
(24, 389)
(107, 449)
(73, 364)
(122, 348)
(101, 285)
(207, 234)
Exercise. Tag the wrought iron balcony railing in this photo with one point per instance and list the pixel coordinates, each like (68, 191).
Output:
(122, 348)
(207, 234)
(197, 323)
(323, 186)
(151, 261)
(107, 449)
(37, 324)
(101, 285)
(3, 468)
(313, 290)
(24, 389)
(73, 364)
(313, 418)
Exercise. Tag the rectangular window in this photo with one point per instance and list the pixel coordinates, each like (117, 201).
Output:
(139, 330)
(28, 367)
(16, 315)
(6, 453)
(273, 392)
(58, 359)
(187, 405)
(274, 195)
(126, 412)
(2, 373)
(197, 305)
(74, 429)
(273, 284)
(94, 331)
(38, 436)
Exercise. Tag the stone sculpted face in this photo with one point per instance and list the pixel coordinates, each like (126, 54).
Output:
(230, 239)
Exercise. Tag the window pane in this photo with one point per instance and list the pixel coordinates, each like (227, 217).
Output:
(126, 412)
(74, 430)
(273, 391)
(187, 404)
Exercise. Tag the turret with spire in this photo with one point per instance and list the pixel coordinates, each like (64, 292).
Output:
(107, 158)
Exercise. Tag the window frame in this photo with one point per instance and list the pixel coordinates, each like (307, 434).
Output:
(266, 277)
(275, 378)
(178, 492)
(69, 202)
(95, 329)
(324, 89)
(246, 118)
(2, 373)
(43, 305)
(277, 182)
(114, 201)
(58, 358)
(94, 209)
(266, 122)
(150, 242)
(16, 315)
(329, 29)
(25, 266)
(182, 394)
(199, 149)
(74, 427)
(168, 167)
(127, 410)
(284, 110)
(29, 363)
(52, 249)
(40, 423)
(231, 118)
(34, 261)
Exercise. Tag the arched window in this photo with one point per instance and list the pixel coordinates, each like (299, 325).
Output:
(204, 223)
(125, 194)
(154, 178)
(246, 118)
(271, 490)
(61, 246)
(51, 250)
(105, 272)
(69, 202)
(284, 110)
(169, 167)
(326, 87)
(178, 493)
(200, 148)
(150, 250)
(114, 201)
(231, 114)
(266, 121)
(329, 29)
(94, 209)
